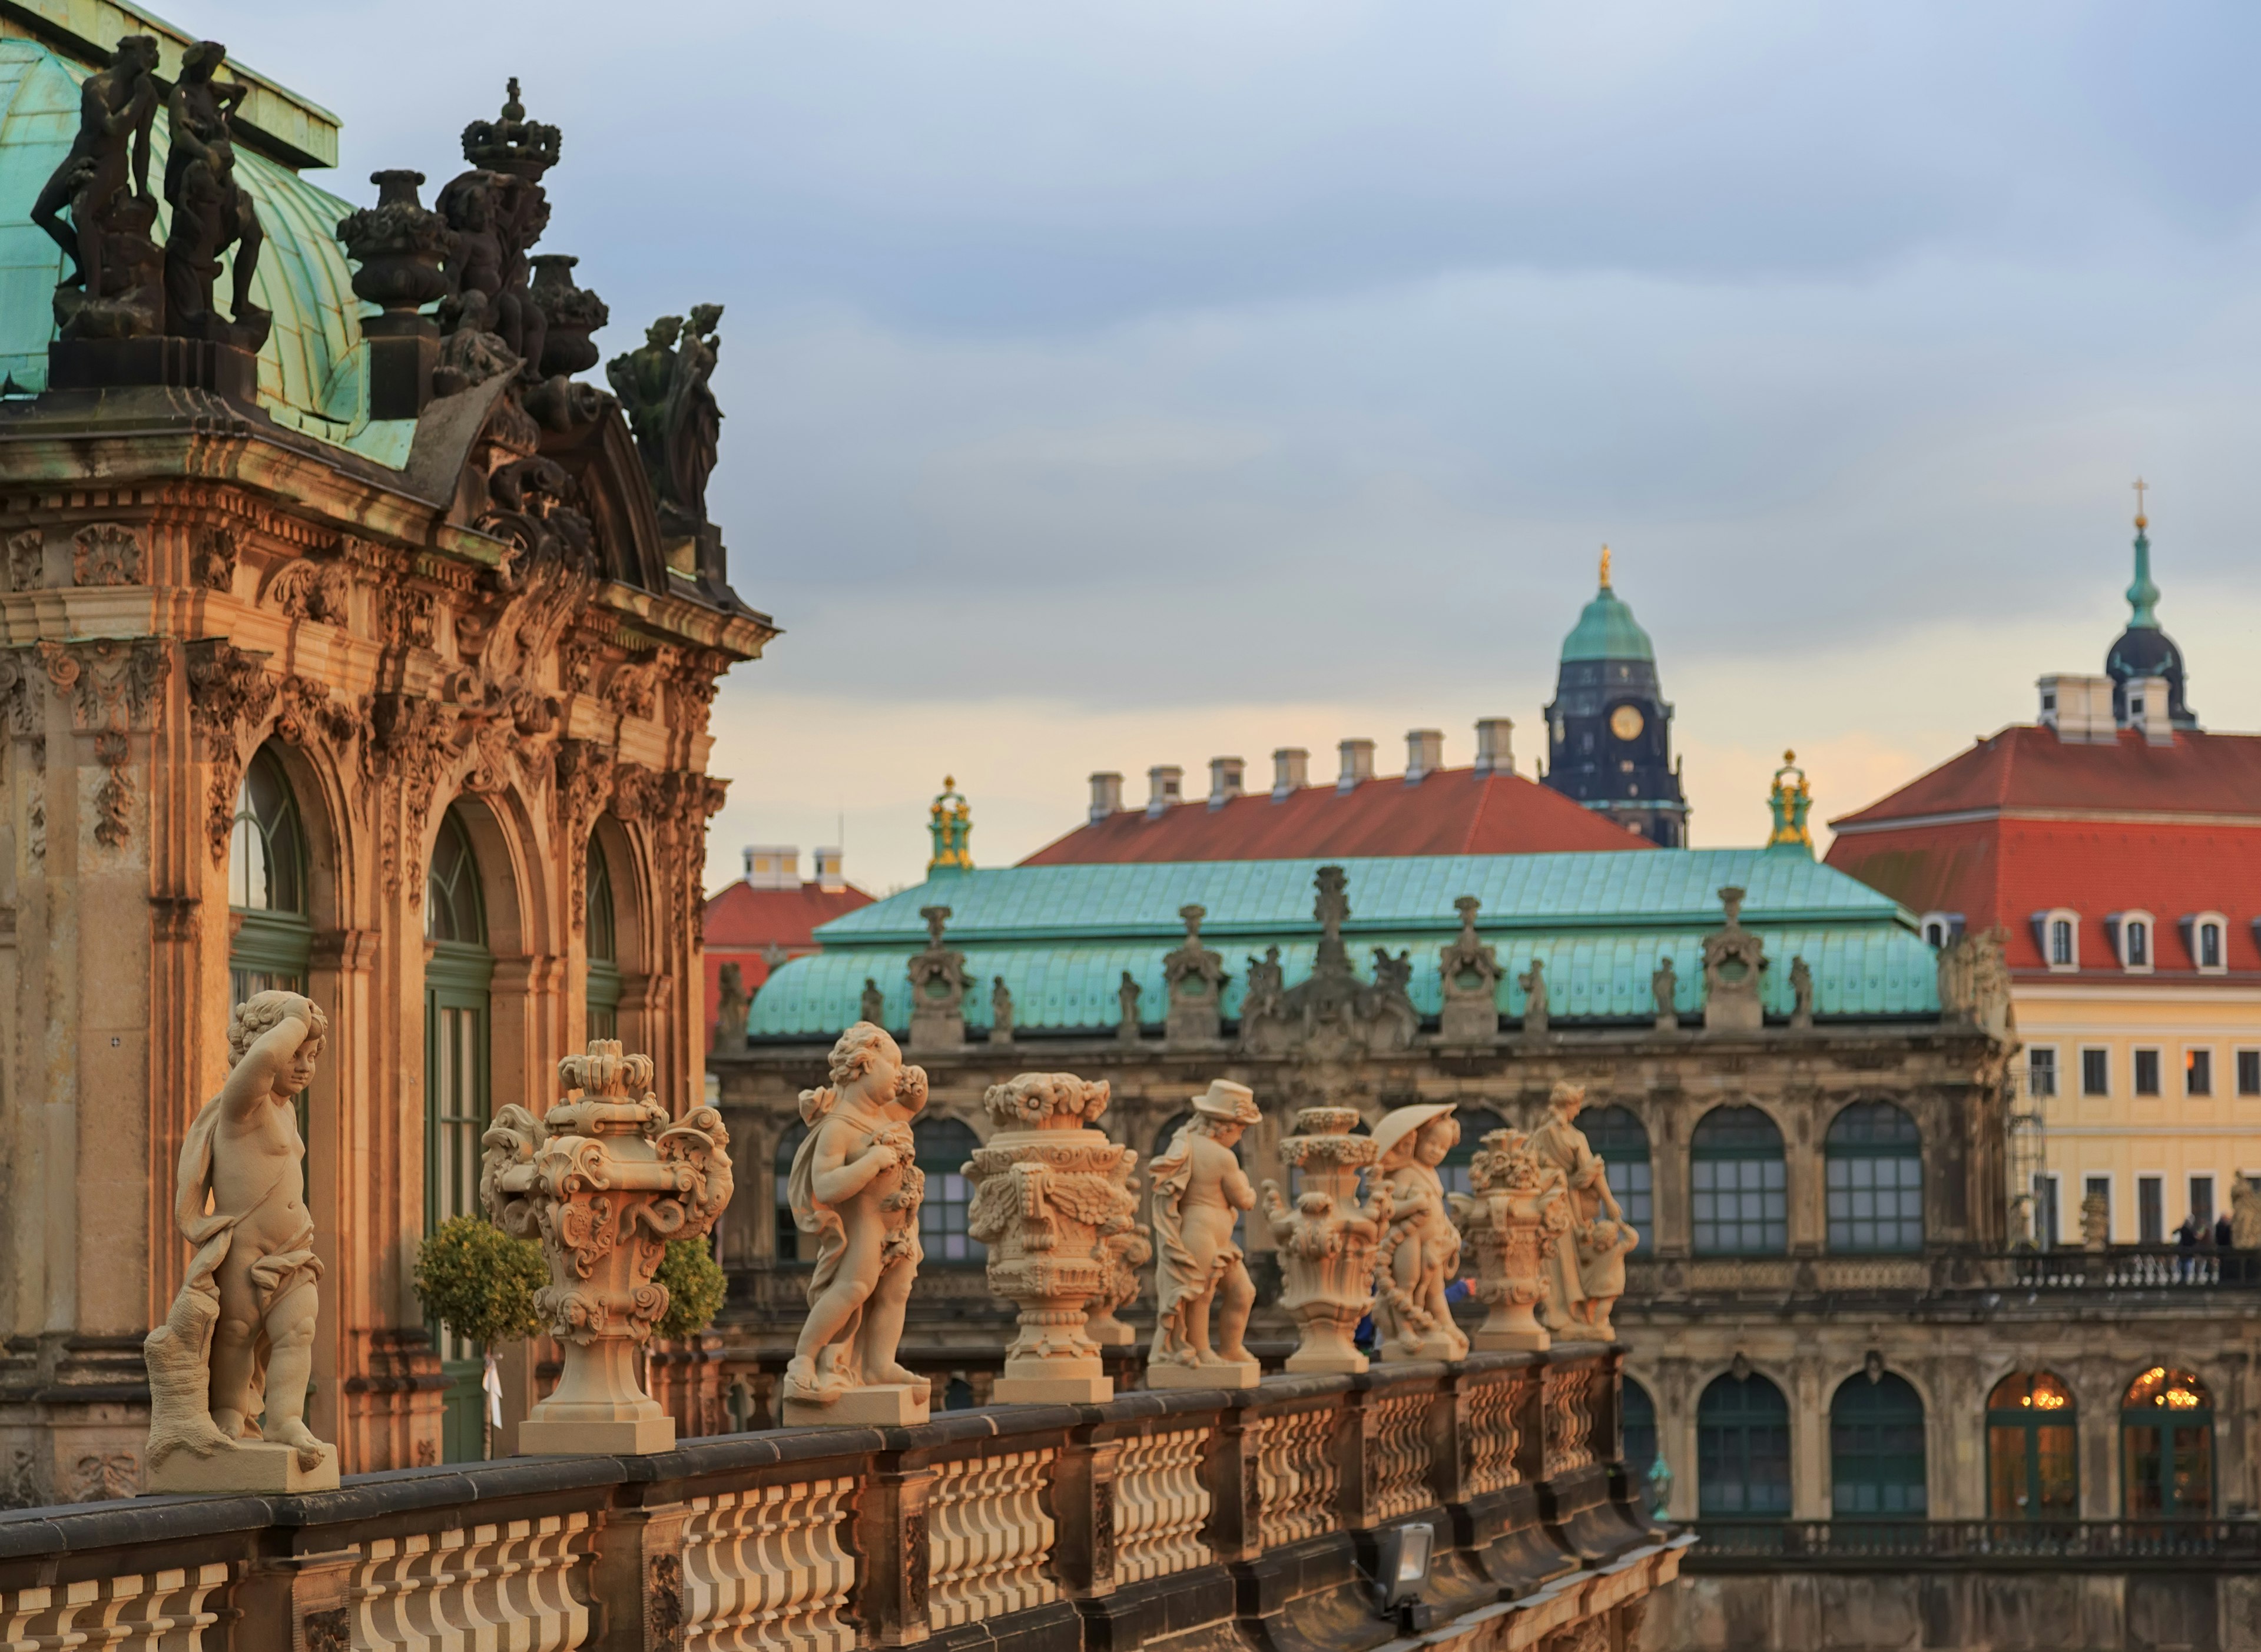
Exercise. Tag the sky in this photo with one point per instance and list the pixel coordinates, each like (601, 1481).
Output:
(1107, 386)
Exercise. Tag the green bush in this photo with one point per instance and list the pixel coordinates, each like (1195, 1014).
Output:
(479, 1281)
(695, 1288)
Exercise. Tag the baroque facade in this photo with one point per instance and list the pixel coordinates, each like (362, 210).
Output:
(353, 644)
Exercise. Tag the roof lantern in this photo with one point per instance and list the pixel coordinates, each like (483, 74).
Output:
(950, 821)
(2143, 651)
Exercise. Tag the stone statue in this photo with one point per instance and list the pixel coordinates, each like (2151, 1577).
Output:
(1046, 1185)
(1000, 1011)
(1534, 1000)
(107, 173)
(2096, 1220)
(497, 210)
(855, 1185)
(211, 210)
(2245, 1213)
(732, 1001)
(1194, 976)
(1585, 1265)
(1127, 996)
(939, 984)
(665, 387)
(1469, 973)
(1260, 1005)
(1200, 1191)
(1326, 1242)
(228, 1368)
(1508, 1221)
(1421, 1253)
(873, 1007)
(1734, 961)
(1801, 989)
(1664, 987)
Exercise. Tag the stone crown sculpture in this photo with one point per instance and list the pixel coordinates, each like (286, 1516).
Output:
(1199, 1193)
(239, 1340)
(1327, 1242)
(606, 1179)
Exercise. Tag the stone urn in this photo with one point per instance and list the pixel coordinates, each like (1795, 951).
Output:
(398, 245)
(571, 314)
(605, 1179)
(1046, 1186)
(1519, 1208)
(1326, 1242)
(1125, 1246)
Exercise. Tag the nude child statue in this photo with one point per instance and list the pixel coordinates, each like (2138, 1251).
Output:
(229, 1367)
(1200, 1191)
(1421, 1253)
(855, 1185)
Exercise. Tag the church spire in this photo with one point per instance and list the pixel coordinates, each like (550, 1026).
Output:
(2142, 596)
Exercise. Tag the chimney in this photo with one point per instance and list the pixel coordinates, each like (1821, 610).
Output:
(2147, 710)
(1164, 784)
(1424, 753)
(1357, 763)
(1495, 745)
(768, 866)
(1224, 780)
(830, 877)
(2079, 708)
(1106, 795)
(1291, 770)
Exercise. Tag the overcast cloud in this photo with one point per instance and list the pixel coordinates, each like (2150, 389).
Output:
(1112, 386)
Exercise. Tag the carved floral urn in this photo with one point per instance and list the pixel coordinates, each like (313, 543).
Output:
(571, 314)
(1519, 1208)
(1053, 1200)
(398, 245)
(1326, 1242)
(605, 1179)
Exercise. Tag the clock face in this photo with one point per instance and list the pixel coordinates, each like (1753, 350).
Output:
(1625, 723)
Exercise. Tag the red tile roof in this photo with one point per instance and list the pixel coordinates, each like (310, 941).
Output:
(742, 922)
(2022, 823)
(1452, 812)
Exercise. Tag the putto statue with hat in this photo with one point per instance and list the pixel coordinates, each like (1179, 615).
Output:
(1421, 1253)
(1200, 1191)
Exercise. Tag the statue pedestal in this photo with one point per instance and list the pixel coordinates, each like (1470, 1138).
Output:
(1484, 1339)
(1435, 1345)
(1222, 1374)
(540, 1436)
(1053, 1389)
(597, 1407)
(1319, 1356)
(256, 1466)
(880, 1405)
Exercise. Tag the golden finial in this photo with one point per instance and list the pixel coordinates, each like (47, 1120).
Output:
(2141, 520)
(1789, 758)
(1605, 567)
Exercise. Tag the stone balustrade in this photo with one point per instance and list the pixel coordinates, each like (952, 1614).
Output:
(1253, 1513)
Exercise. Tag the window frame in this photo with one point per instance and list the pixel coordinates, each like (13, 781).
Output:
(2131, 931)
(2041, 1059)
(1718, 1432)
(2136, 1418)
(2248, 1063)
(2136, 1064)
(2197, 1070)
(600, 985)
(2053, 1203)
(2045, 924)
(1631, 1198)
(2102, 1065)
(2153, 1182)
(2027, 1422)
(2194, 928)
(1841, 1156)
(1774, 1200)
(270, 948)
(2088, 1179)
(936, 1240)
(1857, 1392)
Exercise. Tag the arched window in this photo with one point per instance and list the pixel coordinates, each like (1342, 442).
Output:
(1874, 1156)
(1875, 1447)
(1620, 1141)
(945, 1144)
(2033, 1453)
(1742, 1450)
(1639, 1438)
(1475, 1123)
(274, 941)
(1739, 1191)
(457, 977)
(789, 1230)
(603, 994)
(2166, 1448)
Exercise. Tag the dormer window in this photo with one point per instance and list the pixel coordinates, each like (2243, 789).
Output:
(2057, 933)
(2131, 937)
(2205, 937)
(1940, 928)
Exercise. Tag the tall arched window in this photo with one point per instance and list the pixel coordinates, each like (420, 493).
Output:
(1640, 1437)
(1875, 1447)
(455, 1031)
(602, 995)
(1874, 1155)
(1621, 1142)
(274, 940)
(1475, 1123)
(2166, 1448)
(789, 1230)
(1739, 1191)
(945, 1144)
(2033, 1452)
(1742, 1450)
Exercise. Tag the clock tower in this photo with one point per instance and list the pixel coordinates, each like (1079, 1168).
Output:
(1609, 732)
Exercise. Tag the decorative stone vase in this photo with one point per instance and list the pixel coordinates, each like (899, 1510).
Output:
(1327, 1241)
(1509, 1222)
(1046, 1185)
(398, 245)
(604, 1180)
(573, 315)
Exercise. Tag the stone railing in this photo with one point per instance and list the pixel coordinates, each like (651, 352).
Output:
(2020, 1545)
(1253, 1514)
(2122, 1268)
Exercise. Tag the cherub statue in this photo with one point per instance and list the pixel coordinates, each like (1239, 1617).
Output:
(1200, 1191)
(855, 1185)
(240, 1339)
(1421, 1253)
(1585, 1264)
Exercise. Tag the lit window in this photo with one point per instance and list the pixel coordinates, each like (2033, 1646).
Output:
(2198, 1072)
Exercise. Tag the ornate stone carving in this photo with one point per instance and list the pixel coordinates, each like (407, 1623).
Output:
(114, 288)
(19, 692)
(664, 387)
(211, 210)
(2096, 1219)
(397, 245)
(1125, 1246)
(211, 557)
(1664, 987)
(1045, 1184)
(105, 554)
(311, 590)
(1421, 1253)
(1534, 998)
(606, 1179)
(229, 691)
(1974, 980)
(855, 1185)
(1199, 1193)
(570, 314)
(1001, 1013)
(1126, 996)
(1734, 962)
(1506, 1221)
(111, 682)
(1801, 991)
(939, 984)
(238, 1338)
(1260, 1005)
(113, 798)
(497, 210)
(27, 557)
(1332, 1014)
(1469, 971)
(1196, 977)
(1327, 1242)
(872, 1007)
(1585, 1264)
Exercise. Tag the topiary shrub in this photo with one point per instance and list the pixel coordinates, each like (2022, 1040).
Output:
(695, 1288)
(479, 1281)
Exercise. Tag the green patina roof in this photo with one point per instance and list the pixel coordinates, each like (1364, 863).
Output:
(311, 373)
(1606, 629)
(1062, 936)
